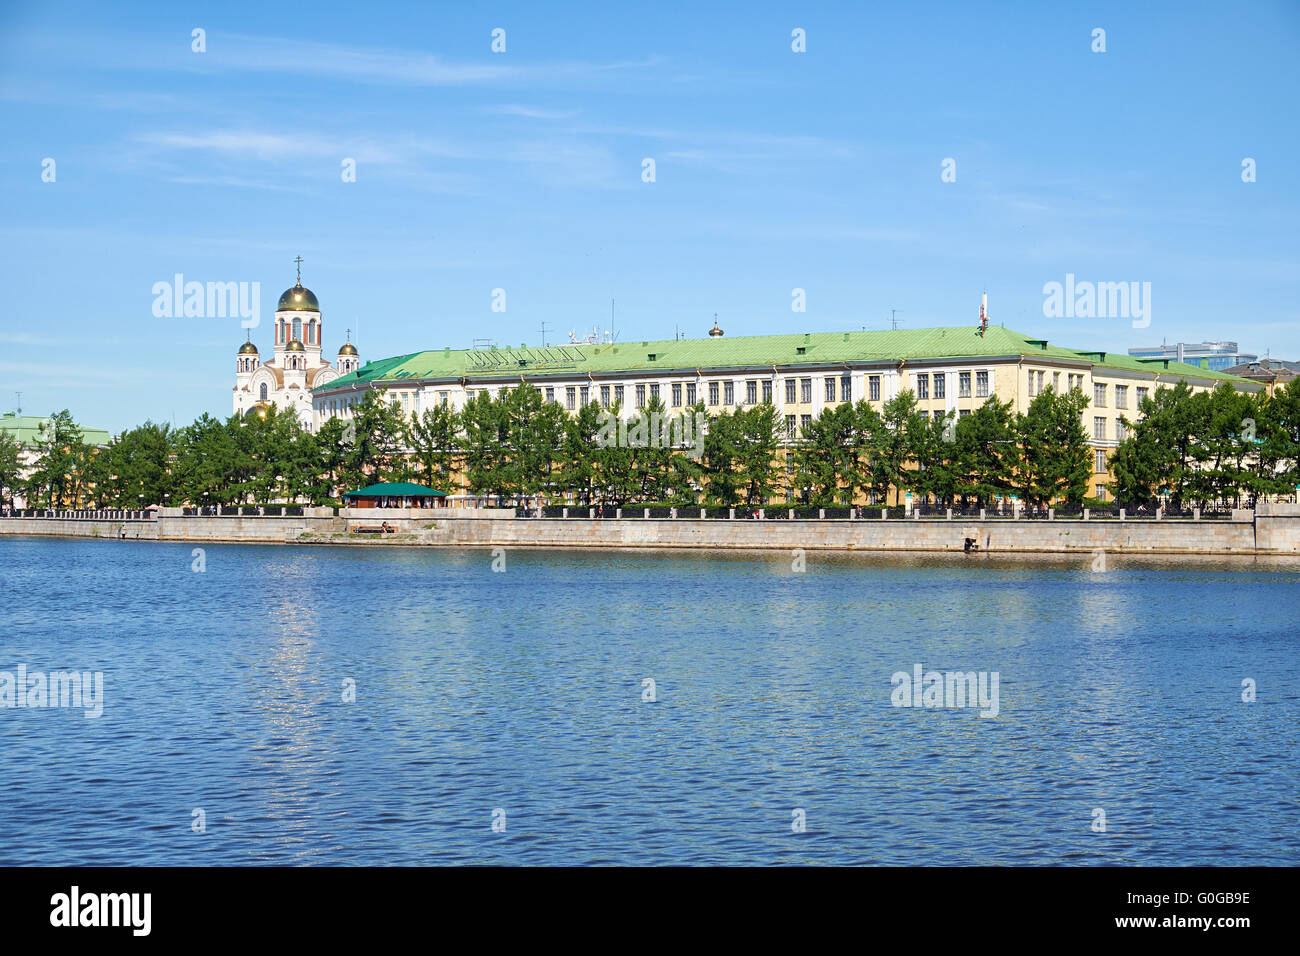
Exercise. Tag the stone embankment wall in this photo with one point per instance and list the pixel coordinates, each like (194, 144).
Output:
(1213, 537)
(1275, 530)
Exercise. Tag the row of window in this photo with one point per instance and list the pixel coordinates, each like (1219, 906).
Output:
(940, 390)
(1099, 390)
(282, 331)
(1099, 429)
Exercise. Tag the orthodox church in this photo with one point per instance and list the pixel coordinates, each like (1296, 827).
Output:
(296, 366)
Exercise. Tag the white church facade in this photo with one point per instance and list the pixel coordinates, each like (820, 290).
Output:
(296, 365)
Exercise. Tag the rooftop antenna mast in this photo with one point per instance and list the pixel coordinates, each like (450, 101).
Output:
(893, 320)
(543, 333)
(984, 315)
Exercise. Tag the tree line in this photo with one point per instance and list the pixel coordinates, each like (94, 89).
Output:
(1194, 448)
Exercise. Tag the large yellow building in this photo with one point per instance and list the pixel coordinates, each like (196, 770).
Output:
(948, 369)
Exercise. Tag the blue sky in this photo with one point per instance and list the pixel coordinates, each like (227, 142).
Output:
(522, 170)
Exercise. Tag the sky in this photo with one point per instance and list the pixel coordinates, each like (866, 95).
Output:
(524, 170)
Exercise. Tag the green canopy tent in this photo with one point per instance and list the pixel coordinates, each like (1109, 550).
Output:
(401, 494)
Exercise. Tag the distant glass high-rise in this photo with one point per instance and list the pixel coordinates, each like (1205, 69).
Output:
(1220, 355)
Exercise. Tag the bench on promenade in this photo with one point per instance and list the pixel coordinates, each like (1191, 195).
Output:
(384, 528)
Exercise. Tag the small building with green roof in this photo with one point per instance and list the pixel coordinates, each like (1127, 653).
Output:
(398, 494)
(30, 430)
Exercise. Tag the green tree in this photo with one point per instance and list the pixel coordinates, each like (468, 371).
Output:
(139, 466)
(433, 438)
(376, 437)
(1055, 458)
(11, 471)
(985, 453)
(757, 438)
(51, 483)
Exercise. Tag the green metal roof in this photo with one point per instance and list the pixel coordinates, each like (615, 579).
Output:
(394, 490)
(755, 351)
(27, 429)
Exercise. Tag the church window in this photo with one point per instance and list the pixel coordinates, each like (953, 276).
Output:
(297, 329)
(263, 392)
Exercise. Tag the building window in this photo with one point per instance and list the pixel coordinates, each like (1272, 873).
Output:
(981, 384)
(1099, 429)
(1121, 396)
(640, 396)
(677, 394)
(1101, 492)
(790, 387)
(584, 395)
(751, 392)
(940, 385)
(846, 388)
(923, 386)
(1040, 381)
(713, 393)
(604, 396)
(550, 394)
(690, 393)
(570, 397)
(789, 427)
(1141, 396)
(805, 391)
(830, 388)
(804, 421)
(1031, 384)
(654, 391)
(873, 388)
(1098, 395)
(729, 393)
(1121, 430)
(963, 384)
(618, 395)
(963, 413)
(262, 392)
(1056, 382)
(767, 390)
(1099, 461)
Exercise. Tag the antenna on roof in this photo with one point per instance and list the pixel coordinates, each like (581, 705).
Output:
(543, 333)
(984, 315)
(893, 320)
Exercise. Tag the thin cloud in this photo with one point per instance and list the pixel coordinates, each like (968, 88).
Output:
(532, 112)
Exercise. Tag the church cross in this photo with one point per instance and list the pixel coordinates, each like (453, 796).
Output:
(299, 261)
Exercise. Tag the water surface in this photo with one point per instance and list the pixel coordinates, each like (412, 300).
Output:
(521, 691)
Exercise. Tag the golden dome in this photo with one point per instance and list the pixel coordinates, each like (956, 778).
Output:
(298, 299)
(715, 331)
(347, 348)
(295, 346)
(248, 348)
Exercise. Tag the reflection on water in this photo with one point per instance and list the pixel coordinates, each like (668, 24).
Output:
(522, 690)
